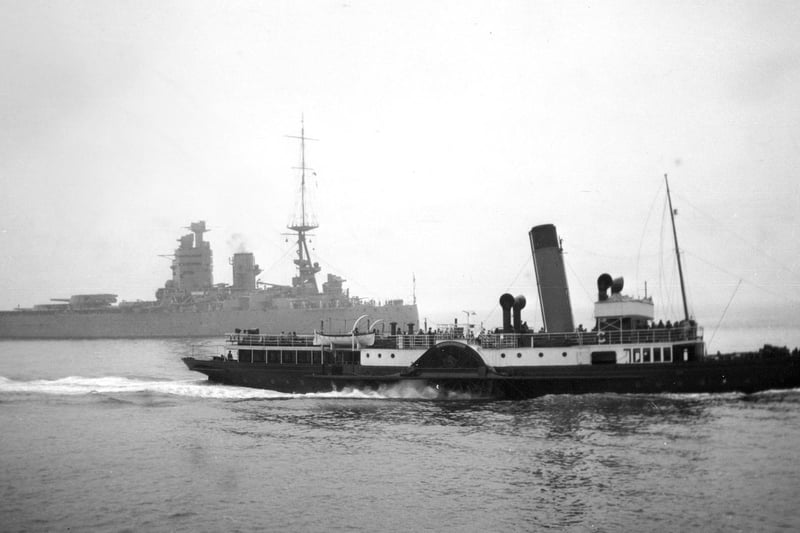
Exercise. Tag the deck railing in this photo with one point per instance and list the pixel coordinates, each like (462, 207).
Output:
(634, 336)
(492, 340)
(257, 339)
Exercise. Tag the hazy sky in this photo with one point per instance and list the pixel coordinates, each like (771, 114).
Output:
(445, 131)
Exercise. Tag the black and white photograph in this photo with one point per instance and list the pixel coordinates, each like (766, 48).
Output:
(378, 266)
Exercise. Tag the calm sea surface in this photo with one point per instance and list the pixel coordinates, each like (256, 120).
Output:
(116, 435)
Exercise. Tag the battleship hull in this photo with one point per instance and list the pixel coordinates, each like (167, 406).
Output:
(126, 323)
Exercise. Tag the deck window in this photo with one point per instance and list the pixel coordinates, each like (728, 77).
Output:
(637, 355)
(645, 355)
(303, 357)
(288, 357)
(316, 357)
(608, 357)
(667, 354)
(349, 358)
(273, 357)
(628, 355)
(656, 355)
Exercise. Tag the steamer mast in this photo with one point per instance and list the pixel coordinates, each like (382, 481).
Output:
(677, 252)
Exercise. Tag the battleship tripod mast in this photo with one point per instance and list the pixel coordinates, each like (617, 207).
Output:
(305, 280)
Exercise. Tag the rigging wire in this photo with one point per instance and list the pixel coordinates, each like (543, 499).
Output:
(760, 250)
(280, 260)
(723, 313)
(578, 279)
(664, 295)
(575, 276)
(671, 305)
(688, 290)
(644, 231)
(524, 266)
(341, 272)
(745, 280)
(356, 284)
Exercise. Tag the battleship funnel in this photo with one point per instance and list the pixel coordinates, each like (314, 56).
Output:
(245, 271)
(551, 279)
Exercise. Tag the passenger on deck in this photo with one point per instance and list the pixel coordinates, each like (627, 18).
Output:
(230, 356)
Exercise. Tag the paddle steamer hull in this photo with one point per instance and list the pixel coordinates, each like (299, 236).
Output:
(738, 375)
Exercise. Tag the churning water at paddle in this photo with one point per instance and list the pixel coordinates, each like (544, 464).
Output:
(118, 435)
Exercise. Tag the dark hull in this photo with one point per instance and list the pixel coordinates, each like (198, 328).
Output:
(300, 379)
(742, 375)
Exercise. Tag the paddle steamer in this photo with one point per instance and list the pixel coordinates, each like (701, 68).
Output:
(625, 352)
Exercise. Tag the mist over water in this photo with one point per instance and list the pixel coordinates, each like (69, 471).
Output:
(118, 435)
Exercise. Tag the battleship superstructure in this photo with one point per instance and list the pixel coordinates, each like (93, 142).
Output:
(191, 305)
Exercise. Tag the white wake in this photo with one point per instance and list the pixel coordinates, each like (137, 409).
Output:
(77, 385)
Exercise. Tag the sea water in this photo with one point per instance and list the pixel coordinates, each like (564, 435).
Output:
(117, 435)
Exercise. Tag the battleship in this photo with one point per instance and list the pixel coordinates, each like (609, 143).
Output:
(191, 305)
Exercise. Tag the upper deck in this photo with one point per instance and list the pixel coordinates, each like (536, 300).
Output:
(675, 334)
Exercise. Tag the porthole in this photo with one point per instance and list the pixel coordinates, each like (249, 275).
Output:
(541, 354)
(367, 356)
(379, 356)
(502, 356)
(392, 356)
(563, 354)
(519, 356)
